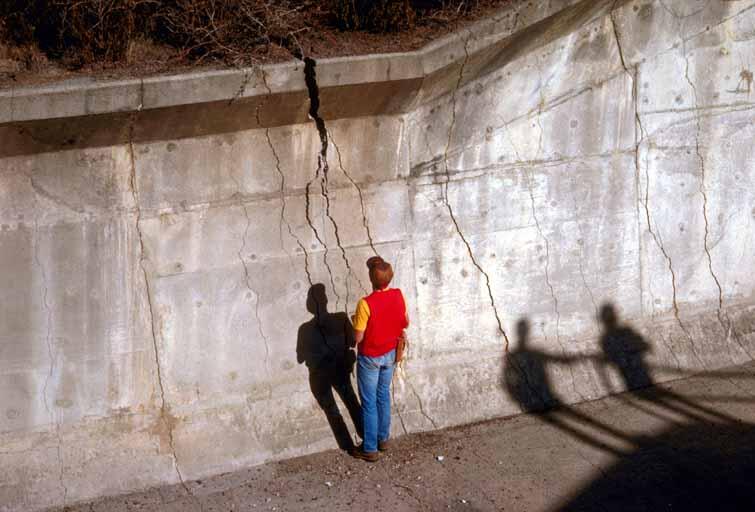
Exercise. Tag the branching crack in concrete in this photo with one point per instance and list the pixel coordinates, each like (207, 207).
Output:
(323, 170)
(707, 28)
(528, 174)
(555, 102)
(703, 193)
(421, 406)
(318, 238)
(444, 191)
(321, 173)
(326, 195)
(54, 419)
(535, 392)
(679, 17)
(359, 192)
(581, 244)
(398, 409)
(41, 191)
(723, 317)
(639, 140)
(247, 283)
(133, 183)
(472, 173)
(242, 89)
(279, 170)
(667, 343)
(247, 277)
(638, 143)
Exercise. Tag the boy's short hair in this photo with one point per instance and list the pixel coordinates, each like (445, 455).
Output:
(381, 272)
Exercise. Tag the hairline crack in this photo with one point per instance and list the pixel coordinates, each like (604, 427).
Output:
(444, 192)
(164, 408)
(639, 140)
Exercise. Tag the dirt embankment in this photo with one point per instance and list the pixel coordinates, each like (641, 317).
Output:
(48, 40)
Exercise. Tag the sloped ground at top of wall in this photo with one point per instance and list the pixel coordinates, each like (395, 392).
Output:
(89, 96)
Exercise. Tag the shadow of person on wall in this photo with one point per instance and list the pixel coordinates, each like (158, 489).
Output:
(527, 381)
(324, 345)
(627, 352)
(694, 463)
(524, 374)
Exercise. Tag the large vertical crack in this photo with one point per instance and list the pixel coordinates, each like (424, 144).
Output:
(321, 173)
(640, 137)
(444, 192)
(166, 418)
(54, 418)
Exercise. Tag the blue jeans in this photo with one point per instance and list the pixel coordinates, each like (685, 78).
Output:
(374, 376)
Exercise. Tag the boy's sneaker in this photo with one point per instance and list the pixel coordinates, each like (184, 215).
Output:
(359, 453)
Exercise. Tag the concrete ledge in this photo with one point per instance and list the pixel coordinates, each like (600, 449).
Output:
(87, 97)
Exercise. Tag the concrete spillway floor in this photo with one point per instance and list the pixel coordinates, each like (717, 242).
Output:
(688, 445)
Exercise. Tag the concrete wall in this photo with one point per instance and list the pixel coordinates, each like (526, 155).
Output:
(158, 236)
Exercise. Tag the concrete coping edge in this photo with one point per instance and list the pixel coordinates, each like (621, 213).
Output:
(91, 96)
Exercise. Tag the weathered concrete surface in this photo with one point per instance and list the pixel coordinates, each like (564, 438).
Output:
(662, 454)
(158, 237)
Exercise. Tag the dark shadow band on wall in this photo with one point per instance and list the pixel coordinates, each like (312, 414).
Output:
(202, 119)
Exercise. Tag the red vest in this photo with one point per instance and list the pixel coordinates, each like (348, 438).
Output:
(387, 320)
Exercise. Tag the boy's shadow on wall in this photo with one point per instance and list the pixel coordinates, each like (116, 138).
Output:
(324, 345)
